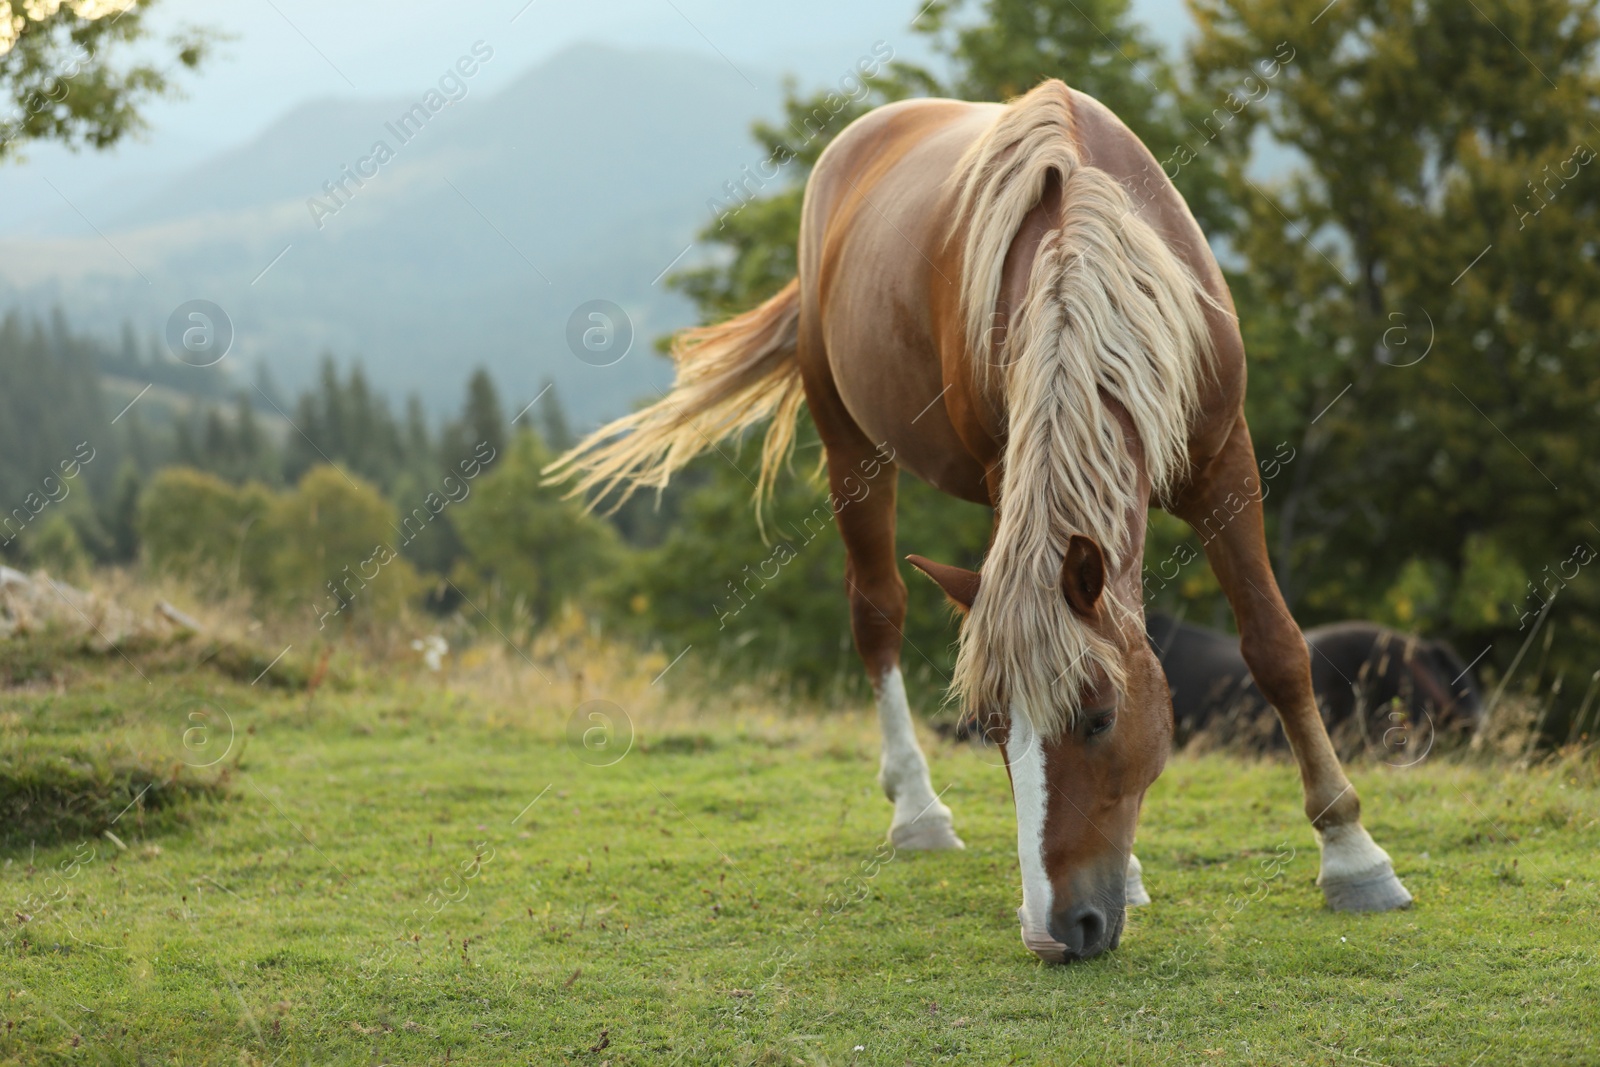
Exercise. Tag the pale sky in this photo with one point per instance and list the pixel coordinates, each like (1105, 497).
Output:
(286, 52)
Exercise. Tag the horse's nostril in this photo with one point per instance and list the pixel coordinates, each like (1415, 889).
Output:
(1082, 930)
(1091, 929)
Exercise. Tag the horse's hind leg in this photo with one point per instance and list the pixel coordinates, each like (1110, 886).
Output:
(863, 495)
(1223, 504)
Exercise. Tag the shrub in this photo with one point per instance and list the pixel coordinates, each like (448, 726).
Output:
(197, 524)
(540, 549)
(333, 550)
(58, 549)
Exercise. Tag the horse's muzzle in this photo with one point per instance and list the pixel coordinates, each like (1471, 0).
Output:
(1079, 933)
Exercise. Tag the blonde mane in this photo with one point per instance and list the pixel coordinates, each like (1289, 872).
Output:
(1108, 308)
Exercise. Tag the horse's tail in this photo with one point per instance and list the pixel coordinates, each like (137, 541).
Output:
(1109, 310)
(731, 376)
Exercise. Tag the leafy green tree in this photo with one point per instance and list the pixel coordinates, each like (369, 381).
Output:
(1429, 270)
(760, 232)
(761, 237)
(776, 607)
(64, 71)
(710, 579)
(529, 549)
(194, 523)
(332, 551)
(56, 547)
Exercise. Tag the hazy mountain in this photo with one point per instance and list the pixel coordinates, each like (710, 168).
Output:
(288, 159)
(485, 225)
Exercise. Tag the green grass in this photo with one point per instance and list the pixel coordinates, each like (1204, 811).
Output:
(376, 888)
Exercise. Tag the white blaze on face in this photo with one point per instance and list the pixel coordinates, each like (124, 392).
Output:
(1025, 755)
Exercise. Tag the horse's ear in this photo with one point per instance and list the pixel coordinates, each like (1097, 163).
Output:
(1083, 575)
(958, 583)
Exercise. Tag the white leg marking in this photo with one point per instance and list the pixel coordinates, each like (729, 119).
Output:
(921, 820)
(1133, 893)
(1028, 788)
(1356, 874)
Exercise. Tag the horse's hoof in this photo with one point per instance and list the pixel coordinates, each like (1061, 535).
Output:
(1357, 875)
(1133, 894)
(1378, 890)
(927, 834)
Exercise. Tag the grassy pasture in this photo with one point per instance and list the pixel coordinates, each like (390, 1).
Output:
(411, 868)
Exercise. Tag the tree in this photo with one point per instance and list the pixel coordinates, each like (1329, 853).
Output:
(57, 548)
(332, 551)
(121, 519)
(1430, 270)
(528, 544)
(1096, 46)
(51, 409)
(482, 420)
(776, 606)
(60, 74)
(554, 427)
(196, 524)
(760, 232)
(344, 422)
(418, 438)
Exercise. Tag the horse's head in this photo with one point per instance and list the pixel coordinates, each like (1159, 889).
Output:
(1078, 788)
(1462, 704)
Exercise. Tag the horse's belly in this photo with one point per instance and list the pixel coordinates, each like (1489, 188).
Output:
(894, 393)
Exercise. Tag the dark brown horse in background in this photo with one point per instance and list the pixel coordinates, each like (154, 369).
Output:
(1013, 303)
(1379, 690)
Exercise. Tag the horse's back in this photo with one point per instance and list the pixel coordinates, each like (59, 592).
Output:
(880, 280)
(1383, 664)
(878, 204)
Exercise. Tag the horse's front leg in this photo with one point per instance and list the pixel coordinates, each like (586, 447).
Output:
(863, 487)
(1223, 505)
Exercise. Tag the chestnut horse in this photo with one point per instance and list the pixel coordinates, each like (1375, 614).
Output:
(1014, 303)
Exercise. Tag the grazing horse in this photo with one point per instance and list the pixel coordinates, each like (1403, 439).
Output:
(1013, 303)
(1374, 686)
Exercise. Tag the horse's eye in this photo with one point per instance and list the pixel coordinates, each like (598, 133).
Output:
(1101, 723)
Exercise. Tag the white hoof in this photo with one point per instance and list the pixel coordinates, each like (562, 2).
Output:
(1357, 875)
(931, 832)
(1133, 894)
(1379, 891)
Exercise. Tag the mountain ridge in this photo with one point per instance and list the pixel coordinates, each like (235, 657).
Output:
(582, 179)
